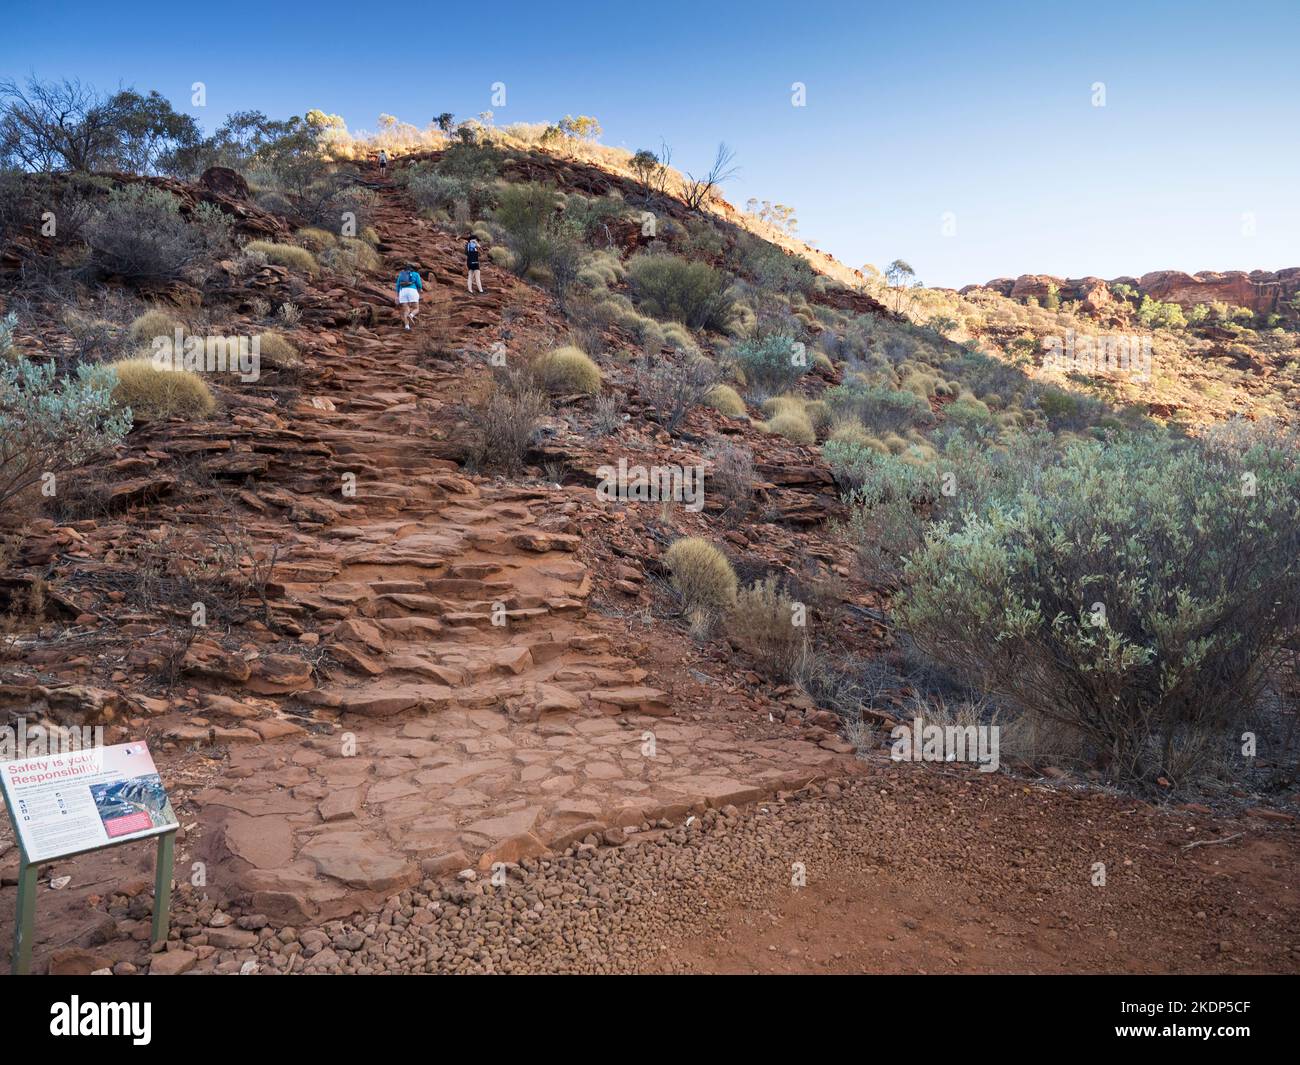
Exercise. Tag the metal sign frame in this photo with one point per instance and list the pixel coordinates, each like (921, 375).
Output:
(25, 910)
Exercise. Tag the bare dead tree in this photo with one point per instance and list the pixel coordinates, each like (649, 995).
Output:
(56, 125)
(658, 183)
(698, 190)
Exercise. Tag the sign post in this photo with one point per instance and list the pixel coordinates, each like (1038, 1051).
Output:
(25, 915)
(162, 887)
(64, 805)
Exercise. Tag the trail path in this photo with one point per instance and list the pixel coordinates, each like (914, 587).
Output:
(485, 713)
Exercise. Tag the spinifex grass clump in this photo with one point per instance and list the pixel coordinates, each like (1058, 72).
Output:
(153, 394)
(568, 369)
(726, 400)
(290, 256)
(701, 574)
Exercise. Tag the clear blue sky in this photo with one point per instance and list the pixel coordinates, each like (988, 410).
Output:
(982, 110)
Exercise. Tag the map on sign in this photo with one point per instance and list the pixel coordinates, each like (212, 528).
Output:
(64, 804)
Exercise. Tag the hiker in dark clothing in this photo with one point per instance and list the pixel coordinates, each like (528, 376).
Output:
(471, 263)
(383, 163)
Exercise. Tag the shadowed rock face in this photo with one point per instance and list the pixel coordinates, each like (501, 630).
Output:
(1261, 291)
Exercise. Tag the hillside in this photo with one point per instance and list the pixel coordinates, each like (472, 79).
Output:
(439, 642)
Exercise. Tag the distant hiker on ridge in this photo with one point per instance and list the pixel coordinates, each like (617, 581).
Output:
(471, 262)
(383, 163)
(409, 287)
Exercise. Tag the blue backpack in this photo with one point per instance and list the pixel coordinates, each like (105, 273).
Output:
(405, 279)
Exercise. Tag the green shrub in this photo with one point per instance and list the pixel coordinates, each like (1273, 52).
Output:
(50, 424)
(590, 216)
(772, 363)
(871, 474)
(140, 235)
(440, 192)
(773, 269)
(878, 407)
(526, 213)
(1156, 315)
(968, 413)
(471, 161)
(681, 290)
(1139, 594)
(701, 574)
(568, 369)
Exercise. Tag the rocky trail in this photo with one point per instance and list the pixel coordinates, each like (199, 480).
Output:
(438, 754)
(472, 710)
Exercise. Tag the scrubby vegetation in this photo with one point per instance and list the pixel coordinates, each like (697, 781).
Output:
(50, 424)
(770, 625)
(772, 363)
(681, 290)
(674, 389)
(1138, 592)
(506, 421)
(140, 235)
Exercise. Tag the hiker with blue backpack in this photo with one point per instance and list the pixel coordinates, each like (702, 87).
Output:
(409, 287)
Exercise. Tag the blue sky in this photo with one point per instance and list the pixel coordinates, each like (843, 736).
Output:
(981, 115)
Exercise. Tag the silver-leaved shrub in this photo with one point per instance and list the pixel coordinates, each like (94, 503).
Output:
(49, 424)
(1139, 592)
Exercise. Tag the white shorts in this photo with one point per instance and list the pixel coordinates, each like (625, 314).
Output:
(410, 294)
